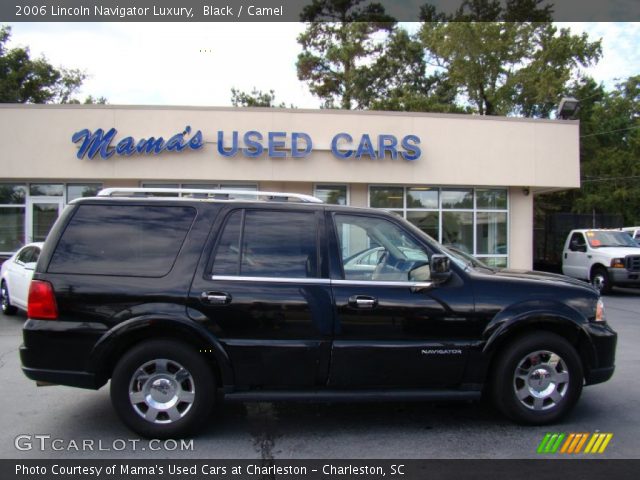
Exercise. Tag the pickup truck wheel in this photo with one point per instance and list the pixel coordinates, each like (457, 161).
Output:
(600, 280)
(538, 379)
(7, 308)
(163, 389)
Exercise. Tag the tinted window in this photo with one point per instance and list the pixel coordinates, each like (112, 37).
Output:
(274, 244)
(122, 240)
(279, 244)
(227, 259)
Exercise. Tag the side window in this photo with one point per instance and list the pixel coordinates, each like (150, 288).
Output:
(227, 259)
(376, 249)
(25, 255)
(125, 240)
(266, 243)
(577, 241)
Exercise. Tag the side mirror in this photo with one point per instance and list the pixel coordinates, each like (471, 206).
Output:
(440, 268)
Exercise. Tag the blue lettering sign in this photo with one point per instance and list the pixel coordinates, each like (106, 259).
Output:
(254, 147)
(100, 143)
(334, 146)
(365, 147)
(387, 144)
(274, 145)
(297, 152)
(410, 144)
(234, 144)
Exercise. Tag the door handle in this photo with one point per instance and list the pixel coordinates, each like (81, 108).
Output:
(363, 301)
(216, 298)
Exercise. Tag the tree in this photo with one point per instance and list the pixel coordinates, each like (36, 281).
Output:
(341, 39)
(257, 98)
(610, 153)
(27, 80)
(397, 80)
(505, 67)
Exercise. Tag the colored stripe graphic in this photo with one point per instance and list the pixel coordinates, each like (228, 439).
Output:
(551, 442)
(573, 443)
(598, 442)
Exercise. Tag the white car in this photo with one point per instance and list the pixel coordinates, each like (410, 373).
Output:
(15, 274)
(603, 257)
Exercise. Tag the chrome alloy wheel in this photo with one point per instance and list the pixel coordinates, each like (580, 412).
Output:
(161, 391)
(4, 293)
(541, 380)
(599, 281)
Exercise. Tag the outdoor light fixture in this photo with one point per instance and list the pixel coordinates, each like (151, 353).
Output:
(568, 107)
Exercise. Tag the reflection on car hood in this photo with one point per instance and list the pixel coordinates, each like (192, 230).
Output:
(540, 276)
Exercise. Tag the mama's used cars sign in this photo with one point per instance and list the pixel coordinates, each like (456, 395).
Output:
(255, 144)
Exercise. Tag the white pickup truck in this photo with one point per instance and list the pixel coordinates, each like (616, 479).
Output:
(603, 257)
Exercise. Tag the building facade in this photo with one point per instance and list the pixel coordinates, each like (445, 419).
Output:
(468, 181)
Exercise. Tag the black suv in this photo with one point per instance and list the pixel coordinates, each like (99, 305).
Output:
(182, 301)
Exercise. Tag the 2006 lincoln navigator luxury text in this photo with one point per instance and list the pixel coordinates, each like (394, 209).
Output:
(182, 301)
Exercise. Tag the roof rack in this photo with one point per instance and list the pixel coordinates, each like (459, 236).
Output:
(218, 194)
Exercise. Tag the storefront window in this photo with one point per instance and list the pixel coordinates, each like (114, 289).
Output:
(428, 222)
(491, 199)
(82, 190)
(491, 233)
(333, 194)
(386, 197)
(472, 220)
(11, 228)
(46, 189)
(422, 197)
(457, 230)
(12, 194)
(458, 199)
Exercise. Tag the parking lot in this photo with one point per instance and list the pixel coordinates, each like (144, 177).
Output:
(55, 422)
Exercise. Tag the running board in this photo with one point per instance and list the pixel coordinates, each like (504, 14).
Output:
(350, 395)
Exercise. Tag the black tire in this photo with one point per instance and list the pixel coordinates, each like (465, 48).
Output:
(544, 397)
(600, 280)
(7, 308)
(184, 401)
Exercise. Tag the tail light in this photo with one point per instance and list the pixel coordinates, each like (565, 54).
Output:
(42, 302)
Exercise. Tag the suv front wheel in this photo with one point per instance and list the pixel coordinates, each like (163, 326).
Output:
(163, 389)
(538, 379)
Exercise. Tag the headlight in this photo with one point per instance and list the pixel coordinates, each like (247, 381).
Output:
(600, 316)
(617, 263)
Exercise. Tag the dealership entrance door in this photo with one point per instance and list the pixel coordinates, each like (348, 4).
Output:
(42, 212)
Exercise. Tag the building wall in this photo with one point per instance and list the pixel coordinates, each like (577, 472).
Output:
(456, 149)
(522, 155)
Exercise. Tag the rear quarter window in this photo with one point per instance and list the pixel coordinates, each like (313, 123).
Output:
(123, 240)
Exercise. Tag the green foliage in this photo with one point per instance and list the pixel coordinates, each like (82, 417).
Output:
(610, 153)
(500, 64)
(341, 39)
(27, 80)
(257, 98)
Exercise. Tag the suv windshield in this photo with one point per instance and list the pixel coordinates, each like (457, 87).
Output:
(610, 239)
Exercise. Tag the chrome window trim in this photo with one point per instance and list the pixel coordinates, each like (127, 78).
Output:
(240, 278)
(320, 281)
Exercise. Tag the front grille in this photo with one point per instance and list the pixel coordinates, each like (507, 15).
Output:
(632, 263)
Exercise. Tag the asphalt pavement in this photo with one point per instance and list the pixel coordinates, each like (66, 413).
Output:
(63, 422)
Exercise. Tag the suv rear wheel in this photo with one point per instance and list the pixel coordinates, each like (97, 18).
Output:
(538, 379)
(163, 389)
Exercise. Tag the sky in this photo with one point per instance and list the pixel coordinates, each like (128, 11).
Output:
(198, 63)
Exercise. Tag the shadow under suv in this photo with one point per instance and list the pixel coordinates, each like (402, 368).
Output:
(182, 301)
